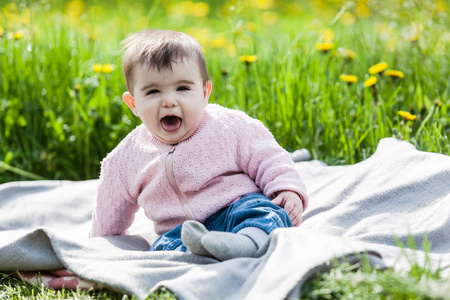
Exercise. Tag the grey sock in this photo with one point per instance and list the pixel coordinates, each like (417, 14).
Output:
(226, 245)
(192, 233)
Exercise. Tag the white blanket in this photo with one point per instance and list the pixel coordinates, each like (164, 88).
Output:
(398, 192)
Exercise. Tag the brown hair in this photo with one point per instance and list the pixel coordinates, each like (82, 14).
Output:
(159, 49)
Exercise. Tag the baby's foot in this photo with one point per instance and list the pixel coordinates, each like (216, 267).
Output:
(192, 233)
(226, 245)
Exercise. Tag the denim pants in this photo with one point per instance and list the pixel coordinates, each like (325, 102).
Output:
(252, 210)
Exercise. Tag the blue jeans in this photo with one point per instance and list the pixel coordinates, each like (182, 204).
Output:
(252, 210)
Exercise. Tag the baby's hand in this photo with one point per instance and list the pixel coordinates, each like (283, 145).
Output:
(292, 204)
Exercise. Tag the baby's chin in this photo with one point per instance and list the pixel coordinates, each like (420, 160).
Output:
(173, 138)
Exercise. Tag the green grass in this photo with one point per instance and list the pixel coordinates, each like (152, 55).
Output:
(12, 288)
(342, 281)
(59, 117)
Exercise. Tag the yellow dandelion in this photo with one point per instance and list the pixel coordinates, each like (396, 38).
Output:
(77, 87)
(378, 68)
(252, 27)
(324, 47)
(328, 36)
(346, 53)
(200, 9)
(231, 50)
(262, 4)
(348, 78)
(185, 7)
(248, 59)
(18, 35)
(74, 10)
(414, 39)
(407, 116)
(347, 19)
(107, 68)
(441, 6)
(371, 81)
(269, 18)
(417, 27)
(362, 10)
(218, 42)
(97, 68)
(438, 103)
(75, 7)
(394, 73)
(2, 31)
(202, 35)
(225, 72)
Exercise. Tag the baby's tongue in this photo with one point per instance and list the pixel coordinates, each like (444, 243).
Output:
(171, 123)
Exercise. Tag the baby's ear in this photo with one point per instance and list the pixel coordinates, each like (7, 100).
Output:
(129, 100)
(207, 87)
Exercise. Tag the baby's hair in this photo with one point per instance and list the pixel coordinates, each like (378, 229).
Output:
(159, 49)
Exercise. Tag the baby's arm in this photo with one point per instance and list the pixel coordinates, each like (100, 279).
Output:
(273, 170)
(292, 204)
(115, 209)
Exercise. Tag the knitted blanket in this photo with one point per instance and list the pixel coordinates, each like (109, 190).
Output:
(397, 194)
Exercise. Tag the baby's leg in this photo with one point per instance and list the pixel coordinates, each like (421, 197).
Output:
(217, 244)
(169, 241)
(237, 231)
(192, 233)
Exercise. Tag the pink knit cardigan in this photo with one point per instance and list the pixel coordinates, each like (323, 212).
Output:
(230, 155)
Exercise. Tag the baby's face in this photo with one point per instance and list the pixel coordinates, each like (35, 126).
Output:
(170, 102)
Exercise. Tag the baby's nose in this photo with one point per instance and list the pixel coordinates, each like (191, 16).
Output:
(169, 102)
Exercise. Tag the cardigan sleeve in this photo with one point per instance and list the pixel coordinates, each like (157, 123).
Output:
(267, 163)
(115, 208)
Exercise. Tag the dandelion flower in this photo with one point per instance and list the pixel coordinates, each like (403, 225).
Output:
(362, 10)
(269, 18)
(248, 59)
(97, 68)
(2, 31)
(438, 103)
(414, 39)
(17, 35)
(328, 36)
(394, 73)
(262, 4)
(347, 19)
(324, 47)
(231, 50)
(218, 42)
(252, 27)
(378, 68)
(77, 87)
(407, 116)
(200, 9)
(370, 81)
(347, 54)
(348, 78)
(225, 72)
(107, 68)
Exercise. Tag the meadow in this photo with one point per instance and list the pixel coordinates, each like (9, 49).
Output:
(330, 76)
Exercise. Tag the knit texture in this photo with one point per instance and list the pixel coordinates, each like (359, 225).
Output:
(230, 155)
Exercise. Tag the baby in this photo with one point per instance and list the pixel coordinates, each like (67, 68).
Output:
(213, 180)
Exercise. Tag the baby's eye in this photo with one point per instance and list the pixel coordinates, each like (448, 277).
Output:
(182, 88)
(152, 92)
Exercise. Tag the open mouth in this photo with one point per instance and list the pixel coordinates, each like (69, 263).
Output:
(171, 123)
